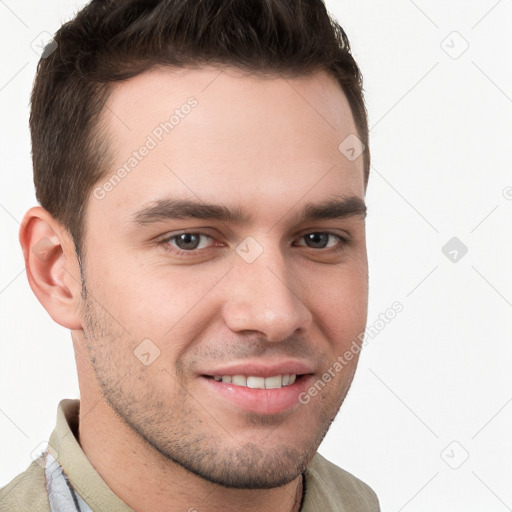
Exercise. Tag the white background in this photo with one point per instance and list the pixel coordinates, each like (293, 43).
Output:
(434, 386)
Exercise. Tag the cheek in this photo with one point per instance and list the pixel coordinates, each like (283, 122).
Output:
(341, 307)
(169, 305)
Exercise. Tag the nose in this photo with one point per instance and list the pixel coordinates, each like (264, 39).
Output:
(262, 296)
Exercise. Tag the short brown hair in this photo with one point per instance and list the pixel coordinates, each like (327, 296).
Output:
(113, 40)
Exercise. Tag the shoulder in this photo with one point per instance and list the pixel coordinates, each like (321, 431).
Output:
(27, 491)
(330, 484)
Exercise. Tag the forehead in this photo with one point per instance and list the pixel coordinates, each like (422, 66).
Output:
(223, 136)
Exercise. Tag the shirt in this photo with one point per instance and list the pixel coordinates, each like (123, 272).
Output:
(63, 480)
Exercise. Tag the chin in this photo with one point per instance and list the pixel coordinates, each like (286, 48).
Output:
(249, 467)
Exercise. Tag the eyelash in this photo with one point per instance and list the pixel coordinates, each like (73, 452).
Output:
(194, 252)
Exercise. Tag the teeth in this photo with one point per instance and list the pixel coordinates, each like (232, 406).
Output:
(256, 382)
(239, 380)
(274, 382)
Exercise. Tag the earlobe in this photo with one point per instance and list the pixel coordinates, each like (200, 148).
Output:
(52, 267)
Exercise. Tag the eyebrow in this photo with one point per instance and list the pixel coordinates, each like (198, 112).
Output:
(175, 208)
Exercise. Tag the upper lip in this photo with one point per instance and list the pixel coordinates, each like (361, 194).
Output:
(261, 368)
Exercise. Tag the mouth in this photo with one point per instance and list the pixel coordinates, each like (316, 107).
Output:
(261, 391)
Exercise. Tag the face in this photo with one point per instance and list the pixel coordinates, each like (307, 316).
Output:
(225, 268)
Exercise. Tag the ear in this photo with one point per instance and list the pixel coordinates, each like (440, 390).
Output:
(52, 266)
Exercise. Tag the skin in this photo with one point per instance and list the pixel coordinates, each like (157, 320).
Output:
(267, 145)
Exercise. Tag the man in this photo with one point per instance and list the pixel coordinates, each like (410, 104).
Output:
(201, 168)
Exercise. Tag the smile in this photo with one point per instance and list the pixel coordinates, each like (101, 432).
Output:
(254, 382)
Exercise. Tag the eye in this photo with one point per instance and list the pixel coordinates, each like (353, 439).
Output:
(185, 244)
(320, 240)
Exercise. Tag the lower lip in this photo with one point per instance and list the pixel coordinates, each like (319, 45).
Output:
(261, 401)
